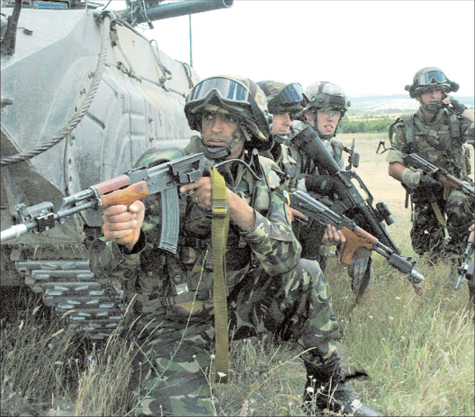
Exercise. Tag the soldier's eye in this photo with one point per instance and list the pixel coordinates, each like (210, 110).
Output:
(230, 119)
(208, 116)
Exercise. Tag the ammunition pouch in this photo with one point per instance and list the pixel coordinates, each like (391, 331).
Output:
(190, 303)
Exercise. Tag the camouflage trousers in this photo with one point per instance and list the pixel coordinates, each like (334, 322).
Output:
(172, 365)
(428, 234)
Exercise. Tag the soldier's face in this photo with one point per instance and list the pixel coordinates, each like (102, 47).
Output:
(431, 97)
(281, 124)
(327, 121)
(218, 130)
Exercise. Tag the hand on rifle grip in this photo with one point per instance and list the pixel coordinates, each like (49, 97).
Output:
(122, 223)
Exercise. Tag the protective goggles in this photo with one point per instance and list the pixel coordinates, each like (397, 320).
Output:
(225, 88)
(330, 112)
(290, 94)
(431, 76)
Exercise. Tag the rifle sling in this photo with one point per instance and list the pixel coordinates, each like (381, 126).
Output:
(219, 235)
(440, 217)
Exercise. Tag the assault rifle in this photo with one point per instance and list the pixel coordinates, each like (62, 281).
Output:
(357, 239)
(135, 184)
(348, 201)
(443, 176)
(466, 270)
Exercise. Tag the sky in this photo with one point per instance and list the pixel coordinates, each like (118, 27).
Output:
(365, 47)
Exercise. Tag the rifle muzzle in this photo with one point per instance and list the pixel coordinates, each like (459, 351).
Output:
(15, 231)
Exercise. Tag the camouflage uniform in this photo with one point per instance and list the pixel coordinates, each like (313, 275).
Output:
(269, 290)
(440, 142)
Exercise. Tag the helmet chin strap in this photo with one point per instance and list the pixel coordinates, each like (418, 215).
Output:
(217, 153)
(433, 107)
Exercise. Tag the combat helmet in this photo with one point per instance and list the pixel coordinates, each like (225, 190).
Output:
(283, 98)
(429, 78)
(325, 95)
(241, 97)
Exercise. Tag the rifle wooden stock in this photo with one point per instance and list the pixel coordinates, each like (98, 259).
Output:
(126, 197)
(449, 182)
(355, 243)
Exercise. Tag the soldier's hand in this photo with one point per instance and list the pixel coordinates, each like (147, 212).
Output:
(120, 222)
(333, 237)
(295, 214)
(322, 184)
(200, 193)
(428, 180)
(456, 105)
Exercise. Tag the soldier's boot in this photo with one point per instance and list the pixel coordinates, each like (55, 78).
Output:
(326, 390)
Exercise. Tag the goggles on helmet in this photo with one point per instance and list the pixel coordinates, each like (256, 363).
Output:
(290, 94)
(430, 76)
(225, 88)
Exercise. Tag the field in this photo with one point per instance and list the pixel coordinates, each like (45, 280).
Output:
(417, 350)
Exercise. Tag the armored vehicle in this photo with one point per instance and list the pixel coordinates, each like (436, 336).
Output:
(83, 94)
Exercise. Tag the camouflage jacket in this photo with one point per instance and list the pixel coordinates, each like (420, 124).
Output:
(440, 141)
(163, 283)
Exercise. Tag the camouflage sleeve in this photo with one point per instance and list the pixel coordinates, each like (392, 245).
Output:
(289, 165)
(273, 241)
(398, 142)
(337, 148)
(110, 260)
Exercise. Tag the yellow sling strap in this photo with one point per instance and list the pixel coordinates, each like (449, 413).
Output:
(219, 236)
(440, 217)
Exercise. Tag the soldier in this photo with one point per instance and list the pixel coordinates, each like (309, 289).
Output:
(436, 132)
(327, 104)
(269, 289)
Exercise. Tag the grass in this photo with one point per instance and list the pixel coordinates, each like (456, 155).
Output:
(417, 350)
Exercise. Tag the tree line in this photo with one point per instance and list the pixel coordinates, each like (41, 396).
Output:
(365, 126)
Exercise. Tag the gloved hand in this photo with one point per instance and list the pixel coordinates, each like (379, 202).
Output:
(321, 184)
(415, 178)
(458, 107)
(428, 181)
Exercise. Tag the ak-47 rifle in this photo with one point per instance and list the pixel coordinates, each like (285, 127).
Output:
(357, 239)
(136, 184)
(443, 176)
(466, 270)
(348, 201)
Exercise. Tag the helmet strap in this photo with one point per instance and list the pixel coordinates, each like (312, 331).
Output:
(215, 153)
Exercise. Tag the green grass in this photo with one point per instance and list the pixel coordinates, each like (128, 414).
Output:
(417, 350)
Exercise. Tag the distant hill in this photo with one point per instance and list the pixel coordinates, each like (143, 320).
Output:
(394, 102)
